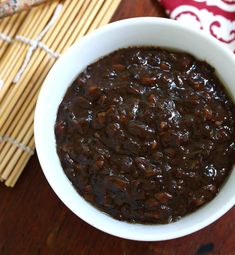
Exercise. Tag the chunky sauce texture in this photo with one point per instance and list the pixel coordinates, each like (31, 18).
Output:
(147, 134)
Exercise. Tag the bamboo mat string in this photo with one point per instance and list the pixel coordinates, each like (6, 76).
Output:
(17, 102)
(5, 38)
(34, 43)
(17, 144)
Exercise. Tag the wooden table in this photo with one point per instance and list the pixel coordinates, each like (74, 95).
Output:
(34, 221)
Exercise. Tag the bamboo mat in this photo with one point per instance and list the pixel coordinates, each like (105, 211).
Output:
(30, 43)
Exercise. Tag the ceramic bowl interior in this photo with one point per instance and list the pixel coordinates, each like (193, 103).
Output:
(131, 32)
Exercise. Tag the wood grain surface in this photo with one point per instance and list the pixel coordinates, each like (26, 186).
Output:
(34, 221)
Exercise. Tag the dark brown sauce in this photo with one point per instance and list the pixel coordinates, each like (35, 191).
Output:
(146, 134)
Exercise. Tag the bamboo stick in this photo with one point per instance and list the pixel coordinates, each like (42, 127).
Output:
(4, 22)
(17, 126)
(67, 17)
(110, 12)
(90, 12)
(11, 29)
(100, 15)
(5, 26)
(8, 162)
(19, 167)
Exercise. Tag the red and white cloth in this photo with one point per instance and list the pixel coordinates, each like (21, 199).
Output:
(216, 17)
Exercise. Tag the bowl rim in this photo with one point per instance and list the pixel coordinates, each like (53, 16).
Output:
(39, 144)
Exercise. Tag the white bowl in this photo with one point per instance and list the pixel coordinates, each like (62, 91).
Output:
(130, 32)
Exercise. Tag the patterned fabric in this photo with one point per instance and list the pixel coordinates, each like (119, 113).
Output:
(9, 7)
(216, 17)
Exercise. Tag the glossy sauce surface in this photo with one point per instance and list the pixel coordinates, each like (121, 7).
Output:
(146, 134)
